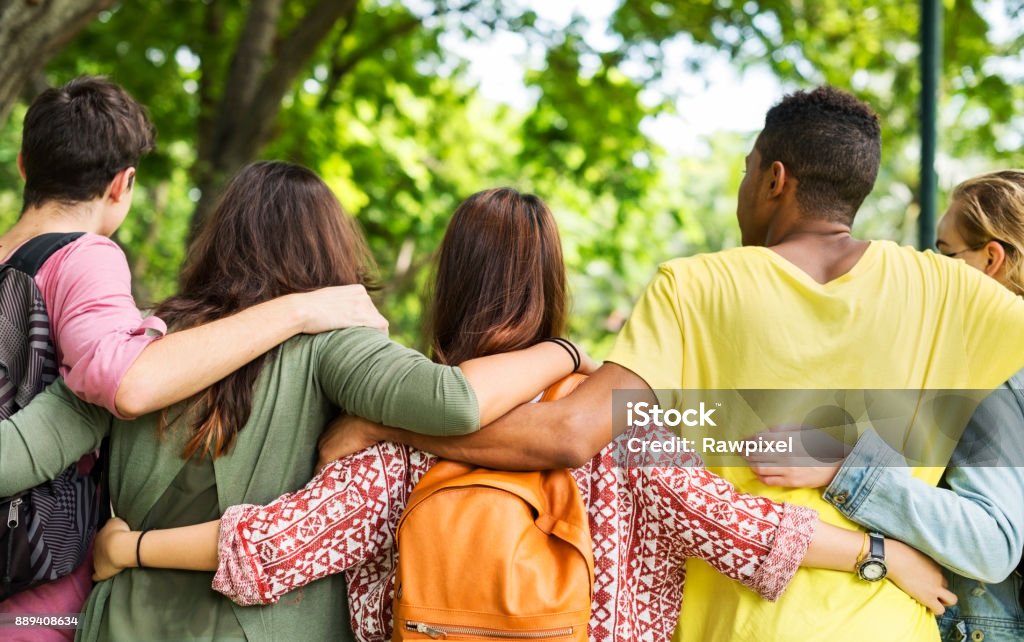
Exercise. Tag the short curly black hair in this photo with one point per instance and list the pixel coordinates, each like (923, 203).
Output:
(831, 142)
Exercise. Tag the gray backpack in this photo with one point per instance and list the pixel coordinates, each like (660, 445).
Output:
(46, 530)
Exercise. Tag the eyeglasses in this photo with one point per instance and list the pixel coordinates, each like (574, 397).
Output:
(1006, 246)
(972, 248)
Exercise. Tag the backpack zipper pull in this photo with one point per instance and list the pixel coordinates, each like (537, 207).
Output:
(12, 514)
(436, 634)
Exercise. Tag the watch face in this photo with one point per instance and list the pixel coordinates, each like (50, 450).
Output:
(872, 570)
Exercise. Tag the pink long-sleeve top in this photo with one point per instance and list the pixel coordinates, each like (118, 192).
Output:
(644, 521)
(98, 333)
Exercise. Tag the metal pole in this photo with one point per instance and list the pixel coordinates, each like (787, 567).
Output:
(931, 62)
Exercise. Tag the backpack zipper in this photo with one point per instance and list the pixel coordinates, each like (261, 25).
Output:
(12, 523)
(12, 514)
(441, 632)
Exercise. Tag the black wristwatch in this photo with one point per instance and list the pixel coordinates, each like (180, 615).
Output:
(872, 566)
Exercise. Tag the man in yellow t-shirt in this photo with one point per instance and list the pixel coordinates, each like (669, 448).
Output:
(807, 306)
(803, 306)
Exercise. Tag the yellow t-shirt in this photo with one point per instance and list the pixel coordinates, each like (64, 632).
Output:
(749, 319)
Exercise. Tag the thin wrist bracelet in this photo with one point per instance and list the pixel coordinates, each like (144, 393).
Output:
(138, 548)
(568, 346)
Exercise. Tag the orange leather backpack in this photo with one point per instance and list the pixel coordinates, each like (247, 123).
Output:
(491, 555)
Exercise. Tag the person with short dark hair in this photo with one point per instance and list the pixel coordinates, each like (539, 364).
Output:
(78, 138)
(828, 141)
(81, 147)
(804, 305)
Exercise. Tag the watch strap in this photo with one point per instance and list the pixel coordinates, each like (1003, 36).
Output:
(877, 548)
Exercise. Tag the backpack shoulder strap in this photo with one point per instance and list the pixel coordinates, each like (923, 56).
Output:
(31, 256)
(563, 387)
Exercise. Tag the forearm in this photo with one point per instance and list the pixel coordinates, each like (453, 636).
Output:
(317, 506)
(833, 548)
(521, 440)
(191, 548)
(503, 381)
(913, 572)
(183, 363)
(557, 434)
(260, 553)
(50, 434)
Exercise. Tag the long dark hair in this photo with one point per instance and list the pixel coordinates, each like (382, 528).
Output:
(278, 229)
(500, 281)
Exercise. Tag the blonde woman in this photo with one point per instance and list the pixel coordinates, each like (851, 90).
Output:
(984, 226)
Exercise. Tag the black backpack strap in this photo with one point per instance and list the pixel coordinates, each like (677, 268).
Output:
(31, 256)
(101, 473)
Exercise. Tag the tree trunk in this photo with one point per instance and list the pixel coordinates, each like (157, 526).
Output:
(263, 69)
(31, 32)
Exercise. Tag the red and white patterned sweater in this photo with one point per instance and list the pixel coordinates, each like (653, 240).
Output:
(644, 522)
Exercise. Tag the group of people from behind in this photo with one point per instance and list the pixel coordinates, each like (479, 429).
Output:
(215, 407)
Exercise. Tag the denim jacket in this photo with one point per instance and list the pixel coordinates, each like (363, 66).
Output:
(972, 524)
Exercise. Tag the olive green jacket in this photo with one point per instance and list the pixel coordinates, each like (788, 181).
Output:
(302, 385)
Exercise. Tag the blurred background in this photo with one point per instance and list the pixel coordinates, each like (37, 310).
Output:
(630, 118)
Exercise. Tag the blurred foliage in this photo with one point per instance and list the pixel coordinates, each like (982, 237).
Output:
(870, 47)
(388, 116)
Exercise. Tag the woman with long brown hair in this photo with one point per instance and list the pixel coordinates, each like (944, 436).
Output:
(500, 286)
(500, 282)
(252, 436)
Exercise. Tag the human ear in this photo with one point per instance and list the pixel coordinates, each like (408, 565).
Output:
(995, 258)
(122, 184)
(778, 180)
